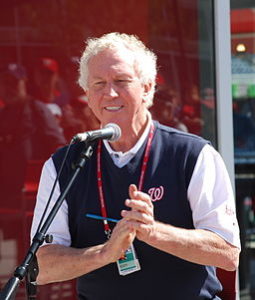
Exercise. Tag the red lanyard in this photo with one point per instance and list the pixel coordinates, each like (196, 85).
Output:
(100, 179)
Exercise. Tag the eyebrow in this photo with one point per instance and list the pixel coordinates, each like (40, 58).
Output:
(97, 78)
(116, 75)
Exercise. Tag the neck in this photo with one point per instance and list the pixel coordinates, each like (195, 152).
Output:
(130, 136)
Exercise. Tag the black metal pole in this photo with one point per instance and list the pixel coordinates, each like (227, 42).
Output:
(9, 290)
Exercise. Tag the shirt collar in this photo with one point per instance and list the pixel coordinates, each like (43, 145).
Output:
(136, 147)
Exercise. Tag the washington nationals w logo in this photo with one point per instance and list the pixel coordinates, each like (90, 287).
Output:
(156, 193)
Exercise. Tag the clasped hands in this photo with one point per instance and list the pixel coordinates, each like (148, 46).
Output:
(137, 222)
(140, 217)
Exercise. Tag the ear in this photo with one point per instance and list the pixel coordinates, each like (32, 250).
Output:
(146, 90)
(86, 95)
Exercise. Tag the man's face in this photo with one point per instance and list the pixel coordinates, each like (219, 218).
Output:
(115, 93)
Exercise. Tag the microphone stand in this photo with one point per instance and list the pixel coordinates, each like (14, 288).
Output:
(29, 262)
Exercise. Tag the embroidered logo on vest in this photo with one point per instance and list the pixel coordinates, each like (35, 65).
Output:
(156, 193)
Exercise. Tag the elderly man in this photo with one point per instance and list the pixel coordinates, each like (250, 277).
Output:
(169, 189)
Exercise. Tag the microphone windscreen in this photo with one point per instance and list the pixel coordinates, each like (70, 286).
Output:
(116, 129)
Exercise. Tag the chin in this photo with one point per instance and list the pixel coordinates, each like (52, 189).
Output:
(112, 120)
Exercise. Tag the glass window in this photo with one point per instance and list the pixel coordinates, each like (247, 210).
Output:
(243, 91)
(186, 88)
(42, 107)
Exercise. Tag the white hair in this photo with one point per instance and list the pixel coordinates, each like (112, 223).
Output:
(145, 59)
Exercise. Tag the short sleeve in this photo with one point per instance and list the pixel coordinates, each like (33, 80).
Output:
(211, 197)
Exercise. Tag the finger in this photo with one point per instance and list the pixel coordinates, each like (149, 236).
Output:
(122, 228)
(142, 197)
(134, 215)
(140, 226)
(132, 190)
(139, 205)
(135, 194)
(143, 230)
(122, 233)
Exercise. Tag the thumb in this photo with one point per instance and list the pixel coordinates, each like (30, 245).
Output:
(132, 190)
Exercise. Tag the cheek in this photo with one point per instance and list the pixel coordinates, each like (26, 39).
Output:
(89, 103)
(136, 97)
(91, 100)
(93, 106)
(137, 94)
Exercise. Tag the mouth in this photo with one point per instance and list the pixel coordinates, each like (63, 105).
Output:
(113, 108)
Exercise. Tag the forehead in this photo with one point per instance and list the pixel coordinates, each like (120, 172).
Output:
(112, 61)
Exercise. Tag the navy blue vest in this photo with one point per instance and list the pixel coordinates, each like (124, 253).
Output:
(162, 276)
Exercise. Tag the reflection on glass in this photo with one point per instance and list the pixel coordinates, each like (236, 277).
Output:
(243, 91)
(46, 40)
(185, 95)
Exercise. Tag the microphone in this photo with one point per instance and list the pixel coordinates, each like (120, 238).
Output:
(111, 132)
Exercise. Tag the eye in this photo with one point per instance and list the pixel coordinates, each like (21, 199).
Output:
(99, 84)
(122, 81)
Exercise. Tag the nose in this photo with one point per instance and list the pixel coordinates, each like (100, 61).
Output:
(110, 90)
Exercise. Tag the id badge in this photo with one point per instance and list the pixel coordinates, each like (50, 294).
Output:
(129, 263)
